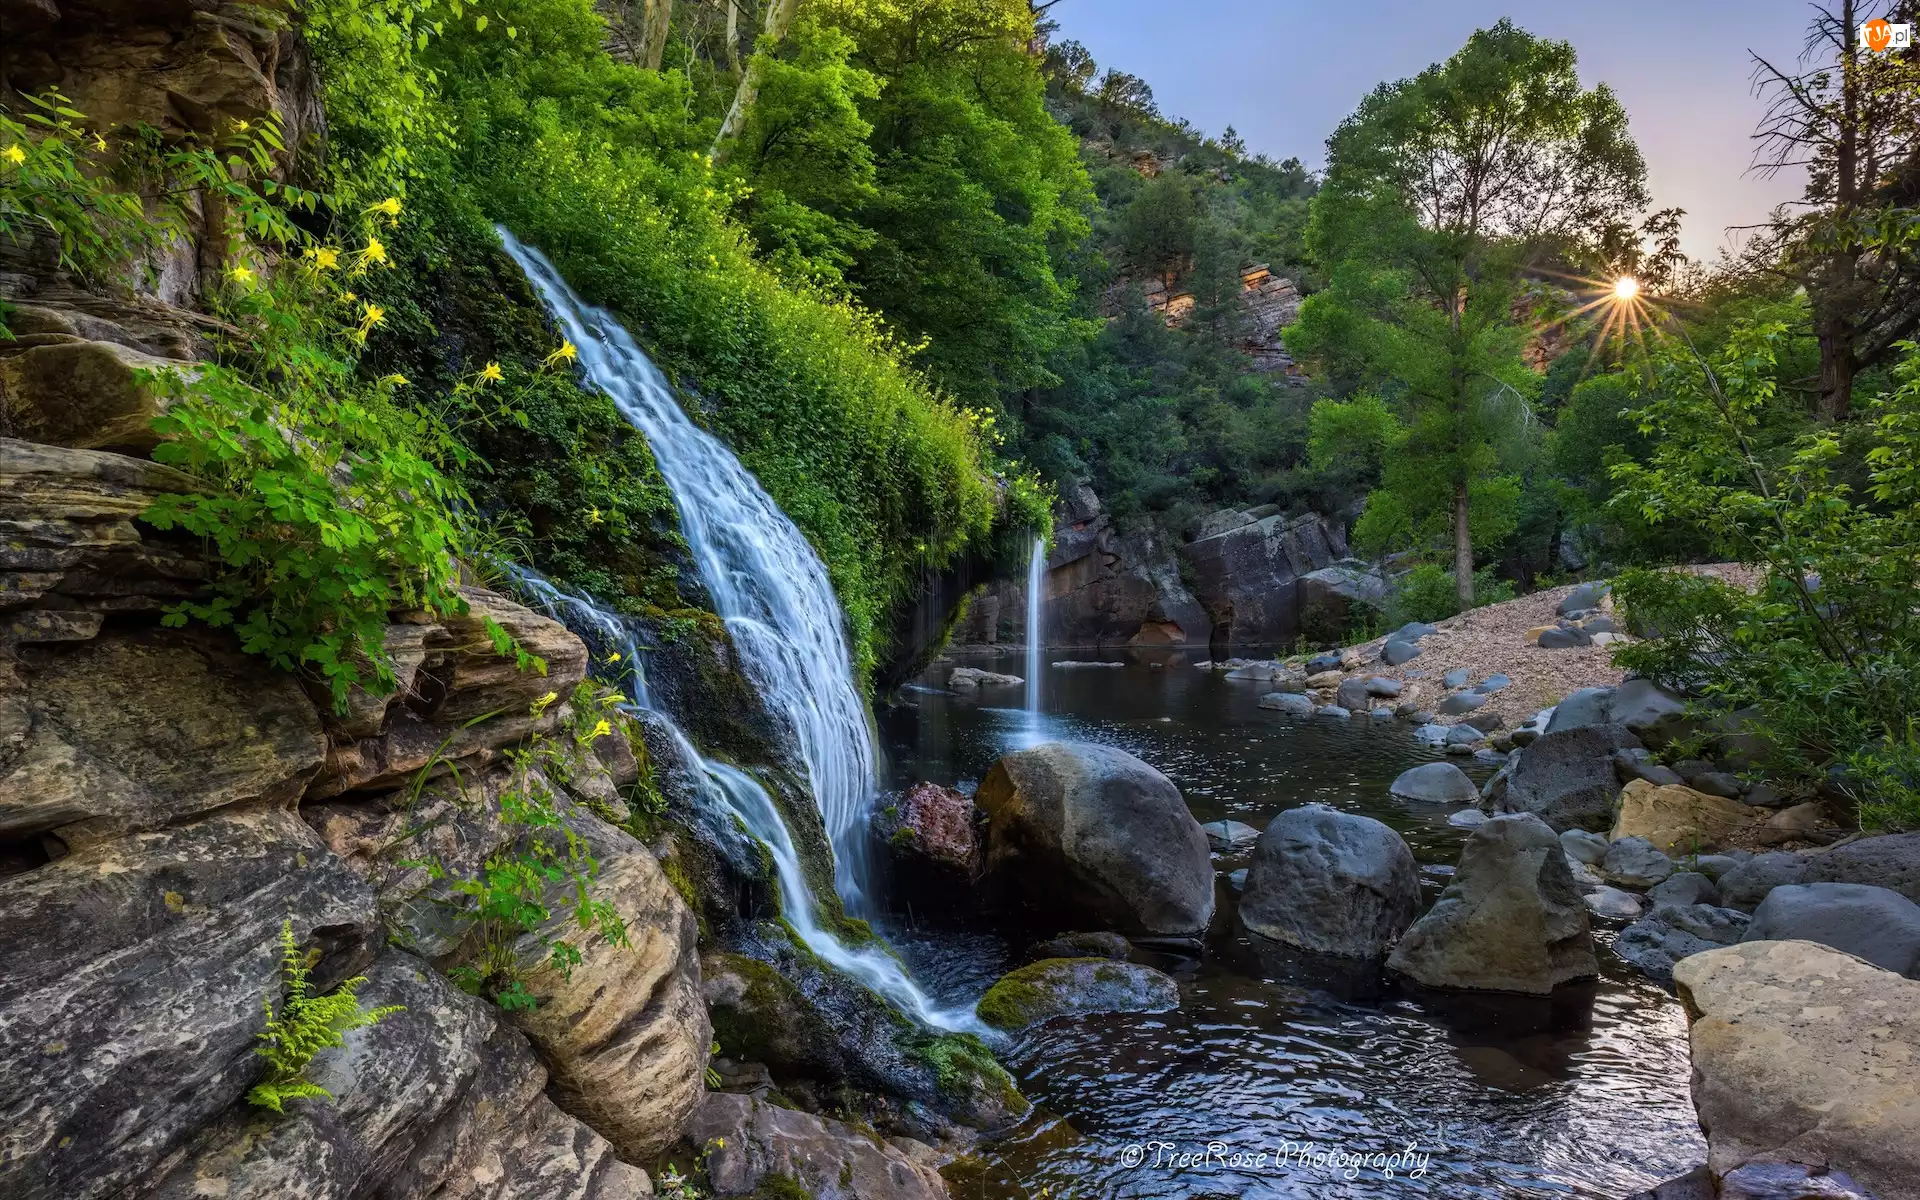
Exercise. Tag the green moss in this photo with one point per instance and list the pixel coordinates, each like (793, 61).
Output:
(1021, 997)
(965, 1069)
(783, 1187)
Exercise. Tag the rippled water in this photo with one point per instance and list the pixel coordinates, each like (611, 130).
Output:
(1584, 1096)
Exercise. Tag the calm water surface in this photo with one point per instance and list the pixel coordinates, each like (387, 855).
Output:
(1582, 1096)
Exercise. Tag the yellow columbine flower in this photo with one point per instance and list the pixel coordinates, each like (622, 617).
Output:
(600, 729)
(566, 353)
(14, 154)
(394, 380)
(593, 516)
(390, 207)
(374, 253)
(242, 126)
(325, 258)
(99, 143)
(490, 373)
(240, 274)
(614, 657)
(371, 316)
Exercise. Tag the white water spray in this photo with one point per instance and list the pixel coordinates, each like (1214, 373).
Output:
(766, 581)
(1036, 581)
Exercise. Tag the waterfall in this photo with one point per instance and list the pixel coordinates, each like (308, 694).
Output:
(772, 591)
(1036, 580)
(766, 581)
(733, 790)
(606, 633)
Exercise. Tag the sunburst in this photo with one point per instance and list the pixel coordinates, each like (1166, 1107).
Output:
(1625, 313)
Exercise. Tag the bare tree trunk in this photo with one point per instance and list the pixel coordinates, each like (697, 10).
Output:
(653, 33)
(733, 36)
(1835, 396)
(779, 16)
(1462, 548)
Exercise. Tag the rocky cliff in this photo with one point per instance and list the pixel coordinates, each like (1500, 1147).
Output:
(1249, 579)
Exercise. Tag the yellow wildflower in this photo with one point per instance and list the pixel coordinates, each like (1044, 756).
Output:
(593, 516)
(325, 258)
(241, 126)
(394, 380)
(390, 207)
(100, 143)
(539, 706)
(14, 154)
(490, 373)
(240, 274)
(600, 729)
(566, 353)
(372, 315)
(374, 253)
(614, 657)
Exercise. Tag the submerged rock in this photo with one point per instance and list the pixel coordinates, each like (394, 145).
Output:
(1229, 836)
(967, 678)
(1331, 882)
(1091, 835)
(1873, 923)
(1803, 1053)
(1612, 903)
(1059, 987)
(751, 1147)
(1293, 704)
(1511, 919)
(1082, 945)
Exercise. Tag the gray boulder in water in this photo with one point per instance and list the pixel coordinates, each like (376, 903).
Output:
(1331, 882)
(1511, 920)
(1867, 922)
(1291, 703)
(1060, 987)
(1090, 835)
(1435, 783)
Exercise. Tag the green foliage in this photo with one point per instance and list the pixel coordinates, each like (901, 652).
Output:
(305, 1025)
(546, 866)
(1828, 647)
(1440, 191)
(326, 503)
(1427, 593)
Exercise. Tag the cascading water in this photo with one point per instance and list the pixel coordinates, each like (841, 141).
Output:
(604, 631)
(766, 581)
(772, 590)
(1036, 581)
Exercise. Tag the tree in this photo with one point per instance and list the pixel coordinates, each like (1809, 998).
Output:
(779, 16)
(1157, 228)
(1850, 116)
(1440, 192)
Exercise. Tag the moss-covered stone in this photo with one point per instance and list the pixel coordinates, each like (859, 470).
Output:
(1066, 986)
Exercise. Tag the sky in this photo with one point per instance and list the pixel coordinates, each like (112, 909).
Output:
(1283, 73)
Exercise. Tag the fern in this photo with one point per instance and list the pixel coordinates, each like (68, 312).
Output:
(305, 1025)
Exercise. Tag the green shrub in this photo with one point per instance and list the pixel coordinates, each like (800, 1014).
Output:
(1426, 593)
(305, 1025)
(1828, 647)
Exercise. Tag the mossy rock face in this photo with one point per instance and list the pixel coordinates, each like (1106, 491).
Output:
(758, 1015)
(1056, 987)
(972, 1083)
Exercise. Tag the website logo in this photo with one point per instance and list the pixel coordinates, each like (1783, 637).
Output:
(1881, 35)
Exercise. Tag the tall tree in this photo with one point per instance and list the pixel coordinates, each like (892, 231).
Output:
(779, 17)
(1849, 115)
(1441, 191)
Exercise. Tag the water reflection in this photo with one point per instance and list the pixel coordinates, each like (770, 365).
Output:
(1583, 1095)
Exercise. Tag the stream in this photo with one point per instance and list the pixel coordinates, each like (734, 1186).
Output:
(1270, 1051)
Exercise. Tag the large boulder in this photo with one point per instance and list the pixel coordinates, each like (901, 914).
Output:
(431, 1101)
(1566, 778)
(1672, 932)
(1058, 987)
(1869, 922)
(1804, 1054)
(1331, 882)
(1434, 783)
(1248, 579)
(144, 727)
(457, 697)
(1677, 819)
(136, 971)
(70, 551)
(1747, 884)
(928, 830)
(1889, 861)
(625, 1032)
(85, 395)
(1090, 835)
(751, 1147)
(1511, 920)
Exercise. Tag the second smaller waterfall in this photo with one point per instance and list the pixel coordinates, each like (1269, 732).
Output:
(1036, 641)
